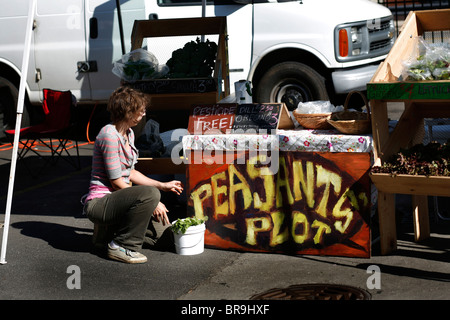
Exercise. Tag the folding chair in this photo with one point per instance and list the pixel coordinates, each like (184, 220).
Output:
(54, 132)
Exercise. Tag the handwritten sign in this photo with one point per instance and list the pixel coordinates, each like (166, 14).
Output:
(316, 203)
(409, 90)
(258, 117)
(161, 86)
(212, 118)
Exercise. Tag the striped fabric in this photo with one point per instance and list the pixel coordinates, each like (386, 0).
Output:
(111, 160)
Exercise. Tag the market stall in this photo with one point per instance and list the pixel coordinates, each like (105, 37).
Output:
(281, 190)
(425, 94)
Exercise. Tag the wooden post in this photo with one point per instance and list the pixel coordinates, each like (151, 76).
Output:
(421, 220)
(386, 217)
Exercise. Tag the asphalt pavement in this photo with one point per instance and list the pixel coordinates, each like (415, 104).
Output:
(50, 255)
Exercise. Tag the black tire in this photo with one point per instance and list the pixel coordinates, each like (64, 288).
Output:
(9, 93)
(291, 83)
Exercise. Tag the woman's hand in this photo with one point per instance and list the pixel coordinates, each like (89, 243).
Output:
(174, 186)
(160, 214)
(138, 178)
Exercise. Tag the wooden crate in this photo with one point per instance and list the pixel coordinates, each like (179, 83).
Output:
(385, 83)
(422, 99)
(203, 91)
(177, 104)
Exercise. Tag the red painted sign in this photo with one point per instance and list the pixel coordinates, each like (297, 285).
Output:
(212, 119)
(317, 203)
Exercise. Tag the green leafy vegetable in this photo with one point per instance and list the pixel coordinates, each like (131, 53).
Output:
(432, 64)
(432, 159)
(181, 225)
(195, 59)
(140, 69)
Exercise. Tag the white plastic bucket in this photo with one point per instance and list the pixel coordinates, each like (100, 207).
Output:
(191, 242)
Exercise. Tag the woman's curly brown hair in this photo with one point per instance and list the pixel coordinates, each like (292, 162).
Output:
(124, 103)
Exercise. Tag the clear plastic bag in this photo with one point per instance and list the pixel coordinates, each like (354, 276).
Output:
(318, 106)
(429, 61)
(139, 64)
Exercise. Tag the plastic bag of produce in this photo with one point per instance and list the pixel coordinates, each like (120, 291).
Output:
(139, 64)
(319, 106)
(429, 61)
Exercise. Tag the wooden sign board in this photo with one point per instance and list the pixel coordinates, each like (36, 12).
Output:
(212, 118)
(266, 116)
(315, 203)
(168, 86)
(423, 90)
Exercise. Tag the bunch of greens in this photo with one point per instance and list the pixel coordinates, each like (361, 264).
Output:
(196, 59)
(432, 63)
(181, 225)
(429, 69)
(140, 69)
(432, 159)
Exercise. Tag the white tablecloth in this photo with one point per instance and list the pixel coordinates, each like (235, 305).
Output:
(283, 140)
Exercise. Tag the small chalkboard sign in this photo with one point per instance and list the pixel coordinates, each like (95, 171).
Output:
(166, 86)
(266, 116)
(212, 118)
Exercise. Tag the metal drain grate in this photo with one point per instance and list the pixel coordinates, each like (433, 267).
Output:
(314, 292)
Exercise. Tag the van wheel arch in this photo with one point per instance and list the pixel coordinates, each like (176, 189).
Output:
(286, 71)
(9, 94)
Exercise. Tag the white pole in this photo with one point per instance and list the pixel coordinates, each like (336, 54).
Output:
(20, 102)
(203, 15)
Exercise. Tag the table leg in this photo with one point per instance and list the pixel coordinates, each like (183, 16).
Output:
(386, 220)
(421, 220)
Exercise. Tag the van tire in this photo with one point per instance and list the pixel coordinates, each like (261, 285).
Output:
(9, 94)
(291, 82)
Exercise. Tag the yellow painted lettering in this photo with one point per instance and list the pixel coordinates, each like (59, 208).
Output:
(340, 213)
(269, 186)
(326, 177)
(240, 186)
(351, 196)
(220, 205)
(307, 185)
(198, 196)
(283, 182)
(299, 218)
(363, 196)
(254, 226)
(321, 229)
(277, 236)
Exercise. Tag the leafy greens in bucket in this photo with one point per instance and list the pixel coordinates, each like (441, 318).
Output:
(181, 225)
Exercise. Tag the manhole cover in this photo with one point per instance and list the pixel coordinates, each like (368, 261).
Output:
(314, 292)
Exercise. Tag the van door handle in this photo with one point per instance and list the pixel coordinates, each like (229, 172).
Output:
(87, 66)
(153, 16)
(93, 28)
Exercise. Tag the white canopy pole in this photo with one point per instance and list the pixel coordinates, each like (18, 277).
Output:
(20, 103)
(203, 15)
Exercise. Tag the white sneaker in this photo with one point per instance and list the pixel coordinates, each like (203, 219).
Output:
(125, 255)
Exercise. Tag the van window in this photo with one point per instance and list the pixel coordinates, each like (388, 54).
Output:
(165, 3)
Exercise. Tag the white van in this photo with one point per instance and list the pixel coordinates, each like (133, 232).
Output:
(291, 51)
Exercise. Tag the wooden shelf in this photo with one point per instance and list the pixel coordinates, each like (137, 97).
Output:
(409, 184)
(425, 99)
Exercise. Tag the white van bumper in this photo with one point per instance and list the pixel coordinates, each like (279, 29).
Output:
(345, 81)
